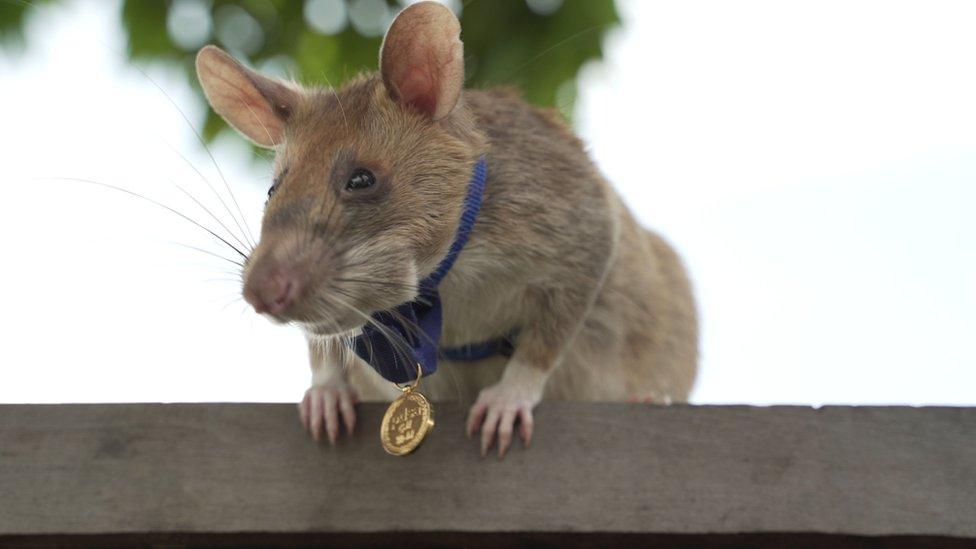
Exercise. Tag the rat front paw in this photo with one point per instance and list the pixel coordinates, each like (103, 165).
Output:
(325, 405)
(496, 411)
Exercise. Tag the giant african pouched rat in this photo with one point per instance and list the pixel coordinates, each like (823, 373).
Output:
(368, 190)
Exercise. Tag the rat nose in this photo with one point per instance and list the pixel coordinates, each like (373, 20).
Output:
(272, 292)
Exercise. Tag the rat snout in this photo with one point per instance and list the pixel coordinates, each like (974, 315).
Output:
(273, 291)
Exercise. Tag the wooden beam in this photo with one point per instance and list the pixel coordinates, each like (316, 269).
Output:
(224, 473)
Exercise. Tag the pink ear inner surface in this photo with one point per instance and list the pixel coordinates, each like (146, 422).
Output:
(422, 59)
(417, 90)
(255, 105)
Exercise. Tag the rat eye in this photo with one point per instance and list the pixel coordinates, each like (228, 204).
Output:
(360, 179)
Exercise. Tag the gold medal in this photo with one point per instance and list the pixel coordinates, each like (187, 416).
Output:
(407, 421)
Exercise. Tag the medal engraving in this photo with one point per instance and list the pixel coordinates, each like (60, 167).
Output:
(406, 422)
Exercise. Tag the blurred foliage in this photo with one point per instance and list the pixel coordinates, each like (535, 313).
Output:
(505, 42)
(538, 46)
(13, 13)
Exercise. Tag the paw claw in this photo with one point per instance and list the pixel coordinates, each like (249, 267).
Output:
(526, 424)
(324, 406)
(505, 427)
(488, 432)
(475, 417)
(496, 414)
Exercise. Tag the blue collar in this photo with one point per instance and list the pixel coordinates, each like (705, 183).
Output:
(396, 341)
(472, 206)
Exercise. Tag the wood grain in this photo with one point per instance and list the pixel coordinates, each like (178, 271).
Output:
(594, 469)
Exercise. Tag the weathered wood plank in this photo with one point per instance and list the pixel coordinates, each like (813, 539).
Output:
(597, 469)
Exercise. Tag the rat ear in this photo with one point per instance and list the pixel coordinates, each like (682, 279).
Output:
(422, 59)
(255, 105)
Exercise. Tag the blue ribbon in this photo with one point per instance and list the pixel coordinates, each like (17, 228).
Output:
(411, 332)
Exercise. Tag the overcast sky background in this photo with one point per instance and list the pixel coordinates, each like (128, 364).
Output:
(814, 163)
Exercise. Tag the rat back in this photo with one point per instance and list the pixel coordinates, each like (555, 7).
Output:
(550, 225)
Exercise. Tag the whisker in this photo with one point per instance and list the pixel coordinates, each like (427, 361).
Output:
(214, 217)
(377, 283)
(349, 345)
(546, 51)
(339, 101)
(224, 279)
(393, 338)
(205, 147)
(150, 200)
(257, 119)
(306, 242)
(213, 190)
(231, 302)
(208, 252)
(24, 3)
(414, 329)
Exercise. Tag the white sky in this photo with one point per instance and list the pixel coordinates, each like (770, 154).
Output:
(815, 163)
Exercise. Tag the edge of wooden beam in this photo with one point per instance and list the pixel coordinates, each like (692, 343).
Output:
(594, 470)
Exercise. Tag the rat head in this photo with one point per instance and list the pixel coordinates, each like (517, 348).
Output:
(369, 180)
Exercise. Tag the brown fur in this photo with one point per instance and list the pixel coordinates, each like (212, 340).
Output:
(538, 252)
(603, 307)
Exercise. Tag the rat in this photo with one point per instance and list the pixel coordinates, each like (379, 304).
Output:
(369, 186)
